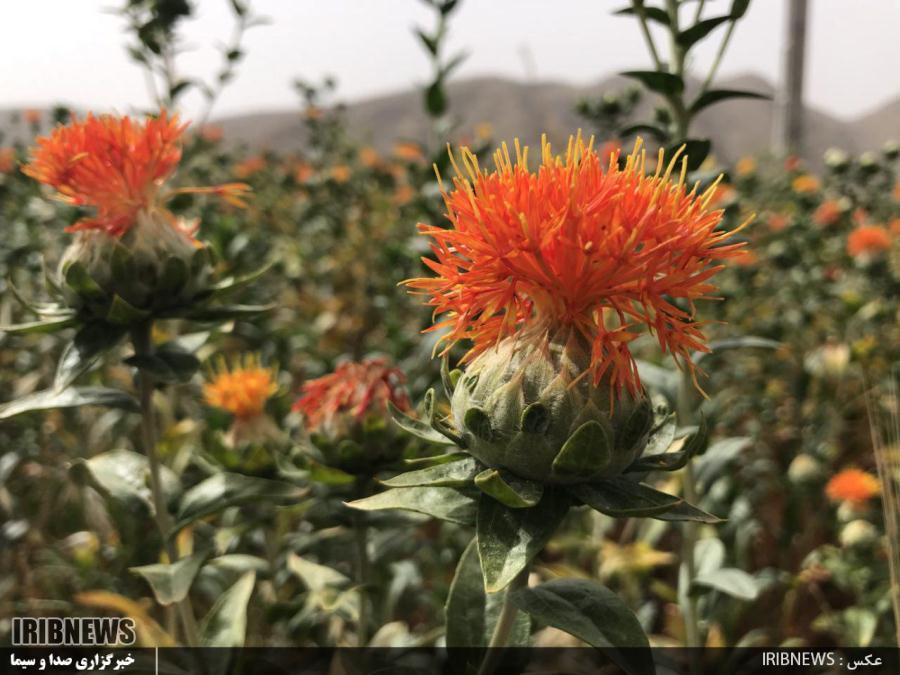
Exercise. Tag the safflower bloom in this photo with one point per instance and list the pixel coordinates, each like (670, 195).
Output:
(868, 240)
(353, 391)
(7, 159)
(777, 221)
(249, 166)
(242, 389)
(828, 213)
(408, 151)
(852, 485)
(602, 251)
(118, 167)
(805, 184)
(745, 166)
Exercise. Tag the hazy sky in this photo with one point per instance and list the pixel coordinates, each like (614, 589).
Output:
(72, 51)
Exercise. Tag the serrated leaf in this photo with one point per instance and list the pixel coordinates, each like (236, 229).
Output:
(73, 397)
(222, 490)
(443, 503)
(667, 84)
(226, 623)
(85, 349)
(728, 580)
(509, 539)
(471, 614)
(592, 613)
(171, 582)
(621, 498)
(452, 474)
(509, 489)
(713, 96)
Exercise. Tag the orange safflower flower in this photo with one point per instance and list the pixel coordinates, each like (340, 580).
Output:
(303, 172)
(603, 251)
(408, 151)
(868, 240)
(745, 166)
(369, 157)
(778, 221)
(249, 166)
(792, 163)
(403, 194)
(806, 184)
(354, 389)
(895, 226)
(242, 389)
(32, 116)
(828, 213)
(117, 166)
(340, 173)
(852, 485)
(7, 159)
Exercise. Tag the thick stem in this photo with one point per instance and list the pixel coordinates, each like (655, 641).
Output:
(503, 628)
(143, 346)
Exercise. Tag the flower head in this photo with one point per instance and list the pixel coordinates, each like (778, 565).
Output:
(745, 166)
(242, 389)
(580, 245)
(353, 390)
(852, 485)
(828, 212)
(7, 159)
(115, 165)
(867, 240)
(805, 184)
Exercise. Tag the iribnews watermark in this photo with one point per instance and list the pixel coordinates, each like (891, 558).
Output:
(82, 631)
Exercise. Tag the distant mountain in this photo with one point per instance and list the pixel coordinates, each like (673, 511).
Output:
(528, 109)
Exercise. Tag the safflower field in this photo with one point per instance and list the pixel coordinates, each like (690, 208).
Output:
(607, 391)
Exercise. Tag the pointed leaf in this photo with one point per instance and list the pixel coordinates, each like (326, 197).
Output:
(656, 14)
(124, 475)
(443, 503)
(86, 348)
(314, 576)
(691, 36)
(220, 312)
(619, 497)
(728, 580)
(744, 342)
(586, 452)
(171, 583)
(508, 539)
(713, 96)
(226, 623)
(41, 327)
(73, 397)
(663, 83)
(452, 474)
(592, 613)
(416, 427)
(471, 614)
(686, 511)
(234, 283)
(123, 313)
(509, 489)
(222, 490)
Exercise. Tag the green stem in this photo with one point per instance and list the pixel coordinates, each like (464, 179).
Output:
(718, 60)
(689, 529)
(143, 346)
(638, 6)
(676, 67)
(503, 628)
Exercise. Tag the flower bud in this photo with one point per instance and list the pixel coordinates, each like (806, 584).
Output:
(530, 409)
(858, 533)
(804, 469)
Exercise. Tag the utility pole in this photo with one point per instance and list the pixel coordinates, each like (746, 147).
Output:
(789, 113)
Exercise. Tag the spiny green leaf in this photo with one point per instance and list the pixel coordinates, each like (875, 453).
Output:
(443, 503)
(508, 539)
(509, 489)
(452, 474)
(619, 497)
(592, 613)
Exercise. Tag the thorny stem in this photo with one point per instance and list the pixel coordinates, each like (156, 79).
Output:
(638, 6)
(143, 346)
(689, 531)
(503, 628)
